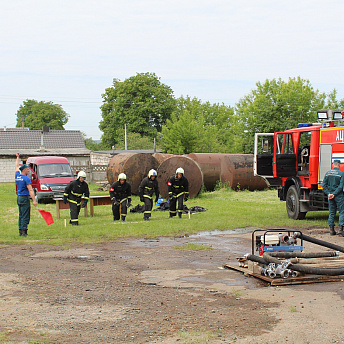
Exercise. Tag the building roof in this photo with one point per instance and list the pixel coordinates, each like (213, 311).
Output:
(34, 142)
(32, 139)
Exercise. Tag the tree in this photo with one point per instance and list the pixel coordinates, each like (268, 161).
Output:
(197, 127)
(142, 102)
(135, 141)
(274, 105)
(332, 102)
(181, 133)
(92, 145)
(36, 115)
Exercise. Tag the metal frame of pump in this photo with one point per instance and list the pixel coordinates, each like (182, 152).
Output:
(285, 243)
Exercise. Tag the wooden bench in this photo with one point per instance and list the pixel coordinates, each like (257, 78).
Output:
(94, 201)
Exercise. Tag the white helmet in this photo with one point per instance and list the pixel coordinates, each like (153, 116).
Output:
(81, 174)
(179, 170)
(152, 173)
(122, 176)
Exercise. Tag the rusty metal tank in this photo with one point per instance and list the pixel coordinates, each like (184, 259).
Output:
(234, 169)
(192, 171)
(210, 165)
(134, 165)
(161, 157)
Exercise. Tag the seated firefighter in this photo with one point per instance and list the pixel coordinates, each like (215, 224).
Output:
(120, 194)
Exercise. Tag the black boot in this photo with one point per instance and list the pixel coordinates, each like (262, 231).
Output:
(341, 231)
(20, 232)
(180, 215)
(24, 232)
(123, 218)
(332, 231)
(146, 218)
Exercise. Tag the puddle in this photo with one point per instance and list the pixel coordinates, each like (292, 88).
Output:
(225, 232)
(238, 281)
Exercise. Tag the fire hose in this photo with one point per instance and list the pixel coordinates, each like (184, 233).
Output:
(286, 268)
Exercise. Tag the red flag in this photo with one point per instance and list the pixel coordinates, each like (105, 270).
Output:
(48, 218)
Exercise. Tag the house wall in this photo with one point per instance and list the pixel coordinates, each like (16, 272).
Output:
(99, 163)
(7, 168)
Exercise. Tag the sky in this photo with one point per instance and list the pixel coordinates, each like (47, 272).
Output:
(69, 51)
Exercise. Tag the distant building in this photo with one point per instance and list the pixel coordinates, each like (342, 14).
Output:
(67, 143)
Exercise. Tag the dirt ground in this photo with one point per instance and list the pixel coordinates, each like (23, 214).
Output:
(146, 291)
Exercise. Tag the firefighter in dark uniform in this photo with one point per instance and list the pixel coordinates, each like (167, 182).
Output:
(333, 187)
(178, 190)
(73, 193)
(120, 194)
(148, 186)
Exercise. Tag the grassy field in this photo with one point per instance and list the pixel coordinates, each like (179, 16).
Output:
(226, 209)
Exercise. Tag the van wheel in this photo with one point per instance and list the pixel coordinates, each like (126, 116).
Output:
(39, 200)
(293, 204)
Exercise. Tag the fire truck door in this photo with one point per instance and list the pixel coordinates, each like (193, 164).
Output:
(285, 157)
(325, 158)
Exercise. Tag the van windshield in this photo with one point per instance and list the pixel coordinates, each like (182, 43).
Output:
(54, 170)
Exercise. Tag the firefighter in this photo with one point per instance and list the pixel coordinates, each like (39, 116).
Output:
(148, 186)
(178, 190)
(120, 194)
(333, 187)
(73, 193)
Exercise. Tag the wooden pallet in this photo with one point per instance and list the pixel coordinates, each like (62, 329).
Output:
(287, 281)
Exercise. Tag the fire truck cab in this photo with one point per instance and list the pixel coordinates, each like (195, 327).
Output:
(296, 161)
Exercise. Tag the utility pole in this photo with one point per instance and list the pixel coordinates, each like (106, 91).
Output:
(125, 137)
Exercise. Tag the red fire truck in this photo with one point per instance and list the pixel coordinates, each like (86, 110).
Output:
(296, 161)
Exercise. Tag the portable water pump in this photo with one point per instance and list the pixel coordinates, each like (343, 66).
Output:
(275, 240)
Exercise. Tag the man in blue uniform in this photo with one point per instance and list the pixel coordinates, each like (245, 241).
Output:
(24, 192)
(333, 187)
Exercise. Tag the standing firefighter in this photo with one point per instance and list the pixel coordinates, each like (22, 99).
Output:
(333, 187)
(73, 193)
(178, 190)
(148, 186)
(120, 194)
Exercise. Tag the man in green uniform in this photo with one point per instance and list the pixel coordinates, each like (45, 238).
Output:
(333, 187)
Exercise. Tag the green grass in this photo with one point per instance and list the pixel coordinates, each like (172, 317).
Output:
(193, 247)
(197, 336)
(226, 209)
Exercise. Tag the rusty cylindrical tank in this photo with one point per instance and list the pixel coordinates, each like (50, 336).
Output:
(192, 171)
(234, 169)
(210, 164)
(237, 171)
(135, 165)
(161, 157)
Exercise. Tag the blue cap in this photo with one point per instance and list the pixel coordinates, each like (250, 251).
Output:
(336, 161)
(22, 167)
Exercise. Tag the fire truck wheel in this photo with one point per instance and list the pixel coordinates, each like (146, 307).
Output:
(293, 204)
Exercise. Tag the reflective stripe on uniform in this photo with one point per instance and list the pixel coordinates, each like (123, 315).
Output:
(75, 194)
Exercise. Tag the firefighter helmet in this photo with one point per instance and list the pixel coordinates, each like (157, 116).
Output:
(179, 170)
(81, 174)
(152, 173)
(122, 176)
